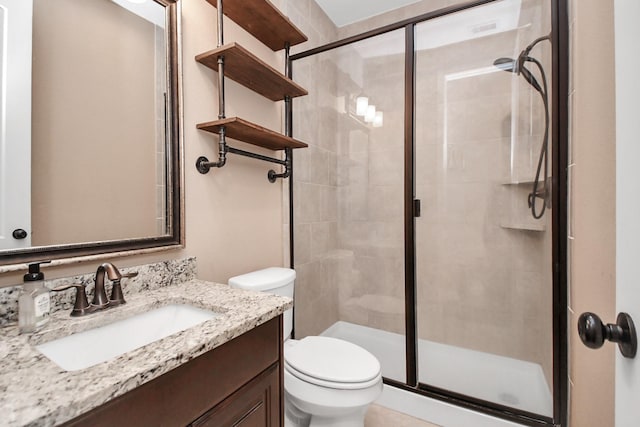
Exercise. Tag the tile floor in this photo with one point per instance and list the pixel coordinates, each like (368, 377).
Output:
(379, 416)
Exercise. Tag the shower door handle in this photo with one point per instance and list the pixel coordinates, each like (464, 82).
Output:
(417, 208)
(594, 333)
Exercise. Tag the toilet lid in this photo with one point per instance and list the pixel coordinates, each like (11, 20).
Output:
(330, 360)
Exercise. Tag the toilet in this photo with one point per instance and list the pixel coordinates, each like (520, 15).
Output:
(327, 381)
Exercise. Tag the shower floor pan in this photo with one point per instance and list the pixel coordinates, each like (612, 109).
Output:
(507, 381)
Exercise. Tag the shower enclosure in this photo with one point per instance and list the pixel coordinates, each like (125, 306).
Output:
(414, 234)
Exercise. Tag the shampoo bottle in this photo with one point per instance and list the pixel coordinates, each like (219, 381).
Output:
(34, 303)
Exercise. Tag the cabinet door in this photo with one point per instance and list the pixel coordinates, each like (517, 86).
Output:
(257, 404)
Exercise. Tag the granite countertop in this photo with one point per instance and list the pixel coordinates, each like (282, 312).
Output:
(34, 391)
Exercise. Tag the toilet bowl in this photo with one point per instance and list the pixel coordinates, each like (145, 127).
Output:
(331, 380)
(328, 382)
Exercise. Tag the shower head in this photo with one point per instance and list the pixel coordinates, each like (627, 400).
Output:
(517, 66)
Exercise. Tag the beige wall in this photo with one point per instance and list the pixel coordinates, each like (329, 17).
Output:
(233, 215)
(592, 206)
(94, 123)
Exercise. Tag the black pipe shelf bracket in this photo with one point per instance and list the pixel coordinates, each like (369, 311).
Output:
(250, 71)
(204, 165)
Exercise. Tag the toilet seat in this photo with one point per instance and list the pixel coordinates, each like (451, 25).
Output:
(331, 384)
(332, 363)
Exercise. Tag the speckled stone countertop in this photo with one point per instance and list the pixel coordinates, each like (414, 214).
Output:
(36, 392)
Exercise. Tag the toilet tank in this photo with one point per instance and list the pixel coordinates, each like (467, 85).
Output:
(273, 280)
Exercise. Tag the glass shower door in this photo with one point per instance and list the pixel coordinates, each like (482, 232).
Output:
(483, 262)
(348, 192)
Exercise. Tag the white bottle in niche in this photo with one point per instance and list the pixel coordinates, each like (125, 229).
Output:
(34, 303)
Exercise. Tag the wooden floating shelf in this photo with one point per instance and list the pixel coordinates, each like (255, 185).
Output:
(242, 130)
(247, 69)
(264, 21)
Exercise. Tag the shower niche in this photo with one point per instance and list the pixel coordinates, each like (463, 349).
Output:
(516, 210)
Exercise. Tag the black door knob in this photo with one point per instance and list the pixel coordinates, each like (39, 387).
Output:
(593, 333)
(19, 234)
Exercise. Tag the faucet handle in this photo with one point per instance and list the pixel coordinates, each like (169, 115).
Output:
(117, 297)
(129, 275)
(81, 305)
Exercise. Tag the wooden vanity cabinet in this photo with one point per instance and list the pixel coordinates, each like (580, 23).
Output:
(237, 384)
(251, 406)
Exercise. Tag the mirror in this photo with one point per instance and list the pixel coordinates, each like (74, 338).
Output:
(90, 151)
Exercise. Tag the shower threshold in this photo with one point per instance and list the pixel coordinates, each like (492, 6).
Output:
(507, 381)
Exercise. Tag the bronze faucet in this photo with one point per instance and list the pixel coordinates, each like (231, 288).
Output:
(100, 300)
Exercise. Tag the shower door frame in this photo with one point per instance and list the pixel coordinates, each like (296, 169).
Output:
(559, 148)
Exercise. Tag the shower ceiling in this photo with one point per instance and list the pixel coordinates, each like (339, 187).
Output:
(344, 12)
(490, 19)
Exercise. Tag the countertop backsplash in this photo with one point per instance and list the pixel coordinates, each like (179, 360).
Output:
(150, 276)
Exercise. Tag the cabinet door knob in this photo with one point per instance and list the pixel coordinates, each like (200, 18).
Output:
(19, 234)
(593, 333)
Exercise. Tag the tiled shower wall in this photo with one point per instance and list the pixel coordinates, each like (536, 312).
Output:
(349, 250)
(315, 184)
(370, 195)
(316, 200)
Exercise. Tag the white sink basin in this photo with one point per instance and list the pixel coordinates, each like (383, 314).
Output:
(94, 346)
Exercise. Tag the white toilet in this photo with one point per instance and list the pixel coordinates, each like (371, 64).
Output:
(327, 381)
